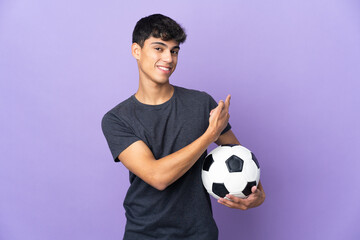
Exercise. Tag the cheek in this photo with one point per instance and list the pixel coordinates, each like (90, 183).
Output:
(149, 57)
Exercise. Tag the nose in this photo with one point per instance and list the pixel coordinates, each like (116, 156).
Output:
(167, 57)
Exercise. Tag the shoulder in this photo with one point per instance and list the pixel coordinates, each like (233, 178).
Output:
(118, 112)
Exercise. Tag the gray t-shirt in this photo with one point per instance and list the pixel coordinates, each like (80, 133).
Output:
(182, 210)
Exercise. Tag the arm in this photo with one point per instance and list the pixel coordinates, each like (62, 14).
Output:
(162, 172)
(256, 198)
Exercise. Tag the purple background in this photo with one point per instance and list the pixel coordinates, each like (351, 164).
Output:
(292, 67)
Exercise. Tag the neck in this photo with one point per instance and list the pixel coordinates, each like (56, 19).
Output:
(154, 94)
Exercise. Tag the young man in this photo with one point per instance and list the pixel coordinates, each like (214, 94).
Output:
(161, 134)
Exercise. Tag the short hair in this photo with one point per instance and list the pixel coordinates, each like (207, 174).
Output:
(158, 26)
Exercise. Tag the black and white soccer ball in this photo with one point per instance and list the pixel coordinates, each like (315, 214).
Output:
(230, 169)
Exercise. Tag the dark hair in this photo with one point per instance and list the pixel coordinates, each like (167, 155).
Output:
(158, 26)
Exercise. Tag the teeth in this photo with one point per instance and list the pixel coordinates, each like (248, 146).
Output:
(164, 68)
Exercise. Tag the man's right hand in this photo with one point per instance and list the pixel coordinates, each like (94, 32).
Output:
(219, 118)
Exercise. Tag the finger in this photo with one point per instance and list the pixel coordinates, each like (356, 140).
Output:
(227, 102)
(226, 203)
(216, 111)
(231, 204)
(232, 198)
(238, 201)
(254, 197)
(221, 104)
(254, 194)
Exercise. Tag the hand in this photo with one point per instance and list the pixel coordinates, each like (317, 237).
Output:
(219, 118)
(255, 199)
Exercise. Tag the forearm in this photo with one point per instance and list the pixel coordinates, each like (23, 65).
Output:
(227, 138)
(170, 168)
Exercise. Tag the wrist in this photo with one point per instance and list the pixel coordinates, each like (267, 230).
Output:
(210, 136)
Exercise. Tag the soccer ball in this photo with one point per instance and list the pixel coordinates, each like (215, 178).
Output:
(230, 169)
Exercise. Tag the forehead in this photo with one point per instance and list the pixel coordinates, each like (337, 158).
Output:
(158, 41)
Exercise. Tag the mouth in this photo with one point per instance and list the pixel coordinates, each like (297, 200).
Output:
(164, 69)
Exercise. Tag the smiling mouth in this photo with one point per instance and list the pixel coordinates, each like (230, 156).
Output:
(165, 69)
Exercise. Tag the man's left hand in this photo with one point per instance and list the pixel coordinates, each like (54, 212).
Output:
(255, 199)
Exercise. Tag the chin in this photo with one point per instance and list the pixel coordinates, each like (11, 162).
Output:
(162, 80)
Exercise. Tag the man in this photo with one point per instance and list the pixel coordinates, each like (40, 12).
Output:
(161, 134)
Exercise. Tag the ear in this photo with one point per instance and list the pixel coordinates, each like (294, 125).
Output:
(136, 50)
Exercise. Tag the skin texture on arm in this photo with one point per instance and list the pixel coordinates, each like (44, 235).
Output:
(160, 173)
(256, 198)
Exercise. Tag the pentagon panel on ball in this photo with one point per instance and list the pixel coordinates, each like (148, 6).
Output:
(231, 169)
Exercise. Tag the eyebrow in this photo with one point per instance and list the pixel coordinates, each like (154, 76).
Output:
(163, 44)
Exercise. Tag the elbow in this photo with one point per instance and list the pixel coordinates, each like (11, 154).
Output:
(159, 178)
(159, 183)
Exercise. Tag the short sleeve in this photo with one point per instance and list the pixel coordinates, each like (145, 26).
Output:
(213, 104)
(118, 135)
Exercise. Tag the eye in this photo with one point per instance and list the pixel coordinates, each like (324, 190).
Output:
(175, 52)
(158, 49)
